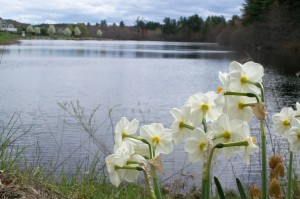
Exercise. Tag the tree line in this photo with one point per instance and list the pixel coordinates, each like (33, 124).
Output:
(268, 23)
(265, 23)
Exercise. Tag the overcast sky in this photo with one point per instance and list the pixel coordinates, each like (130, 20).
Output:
(73, 11)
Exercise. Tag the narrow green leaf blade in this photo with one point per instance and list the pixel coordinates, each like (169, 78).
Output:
(241, 189)
(219, 188)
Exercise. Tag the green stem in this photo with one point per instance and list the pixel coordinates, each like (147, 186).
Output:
(259, 85)
(183, 125)
(156, 183)
(205, 189)
(290, 171)
(242, 94)
(263, 146)
(245, 105)
(142, 140)
(264, 160)
(232, 144)
(130, 168)
(131, 162)
(153, 169)
(155, 179)
(204, 121)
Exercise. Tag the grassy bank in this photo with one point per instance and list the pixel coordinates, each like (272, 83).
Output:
(8, 38)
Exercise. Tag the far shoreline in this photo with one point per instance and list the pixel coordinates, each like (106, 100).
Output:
(10, 39)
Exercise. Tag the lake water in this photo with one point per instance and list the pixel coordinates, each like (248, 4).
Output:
(142, 80)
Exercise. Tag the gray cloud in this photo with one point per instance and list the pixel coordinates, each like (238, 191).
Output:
(73, 11)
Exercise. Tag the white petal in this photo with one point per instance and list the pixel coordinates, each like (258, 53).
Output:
(254, 71)
(235, 66)
(133, 126)
(176, 114)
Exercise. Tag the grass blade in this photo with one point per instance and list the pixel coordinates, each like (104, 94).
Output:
(241, 189)
(219, 188)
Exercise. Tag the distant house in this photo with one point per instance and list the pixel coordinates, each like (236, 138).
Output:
(5, 27)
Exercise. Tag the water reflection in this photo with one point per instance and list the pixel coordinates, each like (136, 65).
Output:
(118, 49)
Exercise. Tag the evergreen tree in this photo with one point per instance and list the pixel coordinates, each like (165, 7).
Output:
(169, 26)
(194, 23)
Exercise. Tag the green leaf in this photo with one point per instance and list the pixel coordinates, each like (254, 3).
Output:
(219, 188)
(241, 189)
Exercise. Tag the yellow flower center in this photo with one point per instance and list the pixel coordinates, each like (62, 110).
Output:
(155, 140)
(298, 135)
(286, 123)
(124, 134)
(219, 89)
(243, 79)
(227, 135)
(204, 107)
(240, 105)
(202, 146)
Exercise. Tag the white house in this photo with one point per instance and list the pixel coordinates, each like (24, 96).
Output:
(5, 27)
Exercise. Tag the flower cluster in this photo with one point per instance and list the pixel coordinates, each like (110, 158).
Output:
(210, 124)
(287, 125)
(224, 115)
(132, 151)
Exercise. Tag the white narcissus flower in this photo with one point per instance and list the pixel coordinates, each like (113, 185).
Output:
(118, 159)
(181, 117)
(282, 121)
(195, 145)
(224, 79)
(235, 108)
(123, 128)
(250, 149)
(203, 103)
(115, 175)
(132, 175)
(250, 71)
(225, 130)
(159, 137)
(294, 136)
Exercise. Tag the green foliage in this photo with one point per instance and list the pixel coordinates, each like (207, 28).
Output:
(10, 133)
(121, 24)
(83, 29)
(140, 23)
(151, 25)
(241, 189)
(103, 23)
(194, 23)
(51, 30)
(219, 188)
(77, 32)
(169, 26)
(29, 29)
(43, 31)
(67, 32)
(37, 30)
(255, 10)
